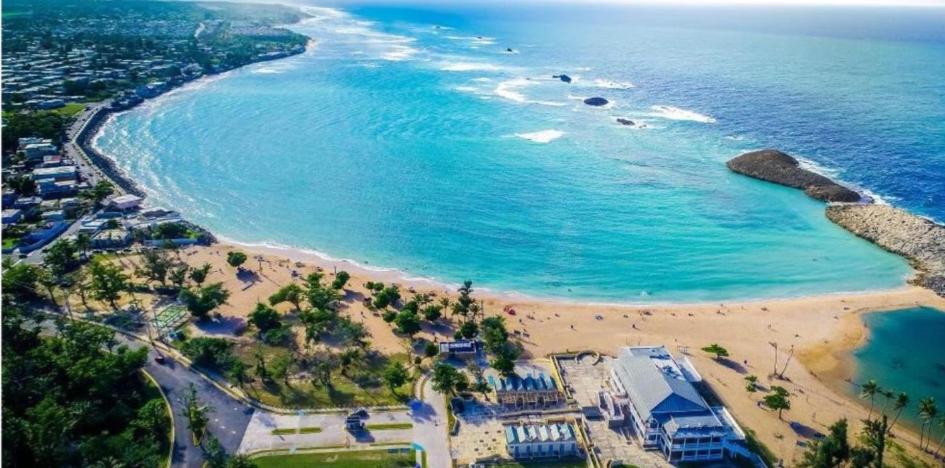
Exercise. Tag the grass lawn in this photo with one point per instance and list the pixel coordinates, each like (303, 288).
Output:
(389, 426)
(10, 242)
(352, 459)
(293, 430)
(361, 385)
(71, 109)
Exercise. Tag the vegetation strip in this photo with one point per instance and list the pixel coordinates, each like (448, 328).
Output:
(389, 426)
(289, 430)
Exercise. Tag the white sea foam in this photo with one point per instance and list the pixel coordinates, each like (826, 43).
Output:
(477, 40)
(608, 84)
(543, 136)
(470, 66)
(675, 113)
(510, 89)
(467, 89)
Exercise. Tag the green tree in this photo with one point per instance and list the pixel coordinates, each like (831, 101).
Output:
(778, 399)
(199, 274)
(178, 275)
(152, 419)
(407, 323)
(61, 256)
(431, 350)
(321, 367)
(832, 451)
(445, 378)
(395, 375)
(98, 193)
(291, 293)
(196, 413)
(341, 278)
(201, 301)
(210, 352)
(155, 265)
(237, 372)
(717, 350)
(504, 360)
(236, 259)
(280, 367)
(468, 330)
(48, 280)
(869, 390)
(108, 282)
(432, 312)
(751, 383)
(901, 402)
(83, 242)
(928, 410)
(464, 303)
(19, 281)
(264, 318)
(494, 334)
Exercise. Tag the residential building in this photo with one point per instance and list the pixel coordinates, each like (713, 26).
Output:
(667, 411)
(125, 202)
(552, 440)
(12, 216)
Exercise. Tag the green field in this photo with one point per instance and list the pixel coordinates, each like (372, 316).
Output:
(293, 430)
(71, 109)
(352, 459)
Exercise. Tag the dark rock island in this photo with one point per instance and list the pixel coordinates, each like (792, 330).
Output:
(596, 101)
(919, 240)
(780, 168)
(564, 78)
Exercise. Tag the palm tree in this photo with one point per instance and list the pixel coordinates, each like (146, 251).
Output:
(869, 390)
(927, 413)
(902, 400)
(83, 242)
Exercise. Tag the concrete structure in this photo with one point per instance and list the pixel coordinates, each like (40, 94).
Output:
(57, 173)
(526, 392)
(667, 411)
(125, 202)
(553, 440)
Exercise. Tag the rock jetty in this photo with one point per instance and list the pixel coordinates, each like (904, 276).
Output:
(596, 101)
(780, 168)
(918, 239)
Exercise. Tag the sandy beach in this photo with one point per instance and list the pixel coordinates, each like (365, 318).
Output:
(822, 330)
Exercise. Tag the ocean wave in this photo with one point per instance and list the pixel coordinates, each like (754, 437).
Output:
(676, 113)
(477, 40)
(543, 136)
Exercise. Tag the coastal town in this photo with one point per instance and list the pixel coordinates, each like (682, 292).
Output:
(135, 337)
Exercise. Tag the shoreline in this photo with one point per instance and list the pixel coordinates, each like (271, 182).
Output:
(815, 325)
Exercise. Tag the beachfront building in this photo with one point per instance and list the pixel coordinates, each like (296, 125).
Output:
(552, 440)
(667, 411)
(538, 391)
(125, 202)
(460, 349)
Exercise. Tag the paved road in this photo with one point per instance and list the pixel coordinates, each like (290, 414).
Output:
(228, 419)
(430, 427)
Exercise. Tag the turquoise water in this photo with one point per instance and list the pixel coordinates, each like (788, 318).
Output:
(410, 138)
(904, 353)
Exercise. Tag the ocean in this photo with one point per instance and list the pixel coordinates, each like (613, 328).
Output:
(917, 369)
(436, 140)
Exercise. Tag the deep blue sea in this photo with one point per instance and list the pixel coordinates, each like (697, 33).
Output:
(435, 140)
(904, 353)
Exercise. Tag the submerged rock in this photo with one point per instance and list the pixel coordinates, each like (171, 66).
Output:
(623, 121)
(596, 101)
(780, 168)
(920, 240)
(564, 78)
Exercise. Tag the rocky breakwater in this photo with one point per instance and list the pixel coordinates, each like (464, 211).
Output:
(780, 168)
(920, 240)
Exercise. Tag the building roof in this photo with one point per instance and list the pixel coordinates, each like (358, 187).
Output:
(553, 432)
(461, 346)
(655, 383)
(521, 384)
(701, 425)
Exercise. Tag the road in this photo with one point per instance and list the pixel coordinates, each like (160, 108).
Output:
(228, 418)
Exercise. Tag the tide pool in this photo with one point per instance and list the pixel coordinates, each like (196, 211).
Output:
(904, 354)
(438, 142)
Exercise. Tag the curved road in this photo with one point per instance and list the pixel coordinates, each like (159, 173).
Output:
(228, 417)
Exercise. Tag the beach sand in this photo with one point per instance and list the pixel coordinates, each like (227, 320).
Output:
(822, 330)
